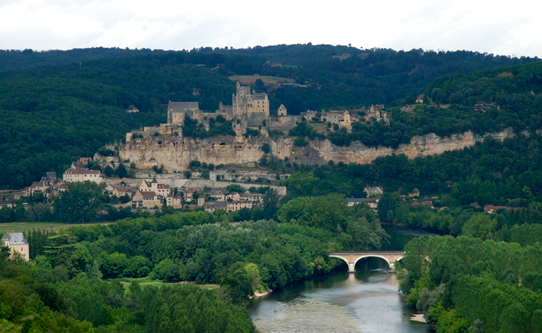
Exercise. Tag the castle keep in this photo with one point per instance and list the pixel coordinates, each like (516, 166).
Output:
(252, 109)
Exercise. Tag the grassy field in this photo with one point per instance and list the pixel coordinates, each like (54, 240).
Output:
(146, 281)
(267, 80)
(24, 226)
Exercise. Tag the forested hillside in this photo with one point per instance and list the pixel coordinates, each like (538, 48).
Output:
(21, 59)
(53, 114)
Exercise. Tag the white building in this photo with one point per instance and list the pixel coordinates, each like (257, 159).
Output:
(82, 175)
(18, 245)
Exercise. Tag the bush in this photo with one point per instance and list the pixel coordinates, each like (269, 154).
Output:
(300, 142)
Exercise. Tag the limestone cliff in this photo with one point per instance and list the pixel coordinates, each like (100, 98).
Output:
(176, 153)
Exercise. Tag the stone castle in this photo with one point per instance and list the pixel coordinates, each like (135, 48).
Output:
(251, 108)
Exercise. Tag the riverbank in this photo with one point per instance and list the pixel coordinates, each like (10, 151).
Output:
(265, 293)
(418, 317)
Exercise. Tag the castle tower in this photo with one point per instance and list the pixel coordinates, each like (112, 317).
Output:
(282, 112)
(251, 106)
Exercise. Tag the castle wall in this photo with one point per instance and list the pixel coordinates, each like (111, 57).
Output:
(282, 124)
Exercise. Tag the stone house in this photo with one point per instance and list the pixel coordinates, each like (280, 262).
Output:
(217, 194)
(18, 245)
(238, 205)
(354, 201)
(174, 201)
(82, 175)
(234, 196)
(282, 112)
(490, 209)
(341, 118)
(376, 190)
(82, 162)
(212, 206)
(189, 194)
(121, 191)
(372, 202)
(147, 200)
(132, 109)
(7, 203)
(153, 186)
(252, 197)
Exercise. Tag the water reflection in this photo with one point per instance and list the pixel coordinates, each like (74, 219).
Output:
(342, 302)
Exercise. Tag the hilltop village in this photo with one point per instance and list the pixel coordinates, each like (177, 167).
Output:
(251, 110)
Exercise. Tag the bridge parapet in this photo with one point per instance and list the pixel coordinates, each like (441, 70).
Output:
(351, 258)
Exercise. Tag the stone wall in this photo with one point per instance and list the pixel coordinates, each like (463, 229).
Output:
(282, 124)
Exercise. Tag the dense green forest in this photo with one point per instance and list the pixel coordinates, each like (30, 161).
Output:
(21, 59)
(466, 284)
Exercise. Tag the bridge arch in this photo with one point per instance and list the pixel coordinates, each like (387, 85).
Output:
(351, 258)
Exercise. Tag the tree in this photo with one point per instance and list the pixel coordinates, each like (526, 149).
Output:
(270, 204)
(237, 285)
(300, 142)
(260, 85)
(386, 207)
(80, 203)
(121, 171)
(266, 148)
(108, 171)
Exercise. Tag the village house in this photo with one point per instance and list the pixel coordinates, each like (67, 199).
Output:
(147, 200)
(42, 187)
(81, 163)
(212, 206)
(490, 209)
(174, 201)
(132, 109)
(122, 191)
(376, 190)
(420, 98)
(354, 201)
(82, 175)
(18, 245)
(153, 186)
(228, 206)
(189, 194)
(7, 203)
(252, 197)
(428, 204)
(341, 118)
(372, 202)
(218, 195)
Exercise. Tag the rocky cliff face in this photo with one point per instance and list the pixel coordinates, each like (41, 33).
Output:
(176, 153)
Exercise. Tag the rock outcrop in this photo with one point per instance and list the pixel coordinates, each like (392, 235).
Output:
(175, 152)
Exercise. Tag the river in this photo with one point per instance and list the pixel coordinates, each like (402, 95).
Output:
(367, 301)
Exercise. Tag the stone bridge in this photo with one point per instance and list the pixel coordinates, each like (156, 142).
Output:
(351, 258)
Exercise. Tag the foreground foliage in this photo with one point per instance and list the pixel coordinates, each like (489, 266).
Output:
(463, 283)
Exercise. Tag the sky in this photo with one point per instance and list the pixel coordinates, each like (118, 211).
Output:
(506, 28)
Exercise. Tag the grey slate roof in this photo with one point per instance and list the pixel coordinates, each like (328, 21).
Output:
(179, 107)
(16, 238)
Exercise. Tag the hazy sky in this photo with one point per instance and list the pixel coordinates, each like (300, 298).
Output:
(513, 28)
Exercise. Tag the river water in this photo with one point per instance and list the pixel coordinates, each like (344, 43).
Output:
(367, 301)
